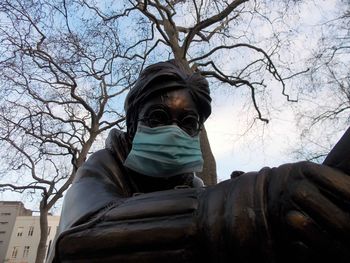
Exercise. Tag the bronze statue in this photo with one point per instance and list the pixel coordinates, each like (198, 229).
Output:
(139, 200)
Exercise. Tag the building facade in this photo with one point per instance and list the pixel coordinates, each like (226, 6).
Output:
(9, 210)
(25, 238)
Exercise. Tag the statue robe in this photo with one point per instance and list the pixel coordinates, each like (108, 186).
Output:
(293, 213)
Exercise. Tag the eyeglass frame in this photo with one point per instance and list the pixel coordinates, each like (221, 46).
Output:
(146, 120)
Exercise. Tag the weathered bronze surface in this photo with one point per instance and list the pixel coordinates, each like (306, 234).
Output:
(296, 212)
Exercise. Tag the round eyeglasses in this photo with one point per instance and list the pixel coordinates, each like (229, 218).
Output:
(160, 117)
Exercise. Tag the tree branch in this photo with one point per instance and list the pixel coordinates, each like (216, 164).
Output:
(209, 21)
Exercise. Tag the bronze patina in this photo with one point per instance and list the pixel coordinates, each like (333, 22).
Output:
(297, 212)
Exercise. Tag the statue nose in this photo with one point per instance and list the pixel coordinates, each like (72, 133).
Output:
(174, 122)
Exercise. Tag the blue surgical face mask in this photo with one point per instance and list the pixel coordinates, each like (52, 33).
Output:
(164, 151)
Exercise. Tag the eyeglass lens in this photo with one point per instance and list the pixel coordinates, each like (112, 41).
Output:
(159, 117)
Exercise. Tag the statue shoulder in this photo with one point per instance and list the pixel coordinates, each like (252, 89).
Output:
(119, 143)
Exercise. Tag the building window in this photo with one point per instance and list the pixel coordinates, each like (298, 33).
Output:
(2, 232)
(26, 251)
(20, 231)
(14, 252)
(31, 230)
(5, 214)
(4, 223)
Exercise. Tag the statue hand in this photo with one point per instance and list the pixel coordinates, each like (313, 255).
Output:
(309, 205)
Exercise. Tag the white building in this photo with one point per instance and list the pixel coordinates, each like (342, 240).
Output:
(9, 210)
(25, 238)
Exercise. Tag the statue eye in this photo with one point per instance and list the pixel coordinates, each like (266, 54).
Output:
(158, 117)
(191, 124)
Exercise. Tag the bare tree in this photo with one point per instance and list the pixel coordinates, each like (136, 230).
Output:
(327, 92)
(61, 73)
(65, 64)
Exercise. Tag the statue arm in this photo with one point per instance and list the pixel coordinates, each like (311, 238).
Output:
(270, 216)
(97, 184)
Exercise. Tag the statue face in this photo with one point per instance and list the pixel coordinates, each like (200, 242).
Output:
(173, 107)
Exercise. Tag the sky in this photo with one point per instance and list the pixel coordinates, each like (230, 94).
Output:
(236, 147)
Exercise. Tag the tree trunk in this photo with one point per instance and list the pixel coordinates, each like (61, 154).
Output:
(208, 175)
(41, 252)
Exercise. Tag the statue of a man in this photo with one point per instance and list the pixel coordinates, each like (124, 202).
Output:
(139, 200)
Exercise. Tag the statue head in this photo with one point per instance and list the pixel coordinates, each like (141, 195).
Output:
(165, 84)
(165, 111)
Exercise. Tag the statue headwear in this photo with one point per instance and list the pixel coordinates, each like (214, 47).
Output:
(160, 77)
